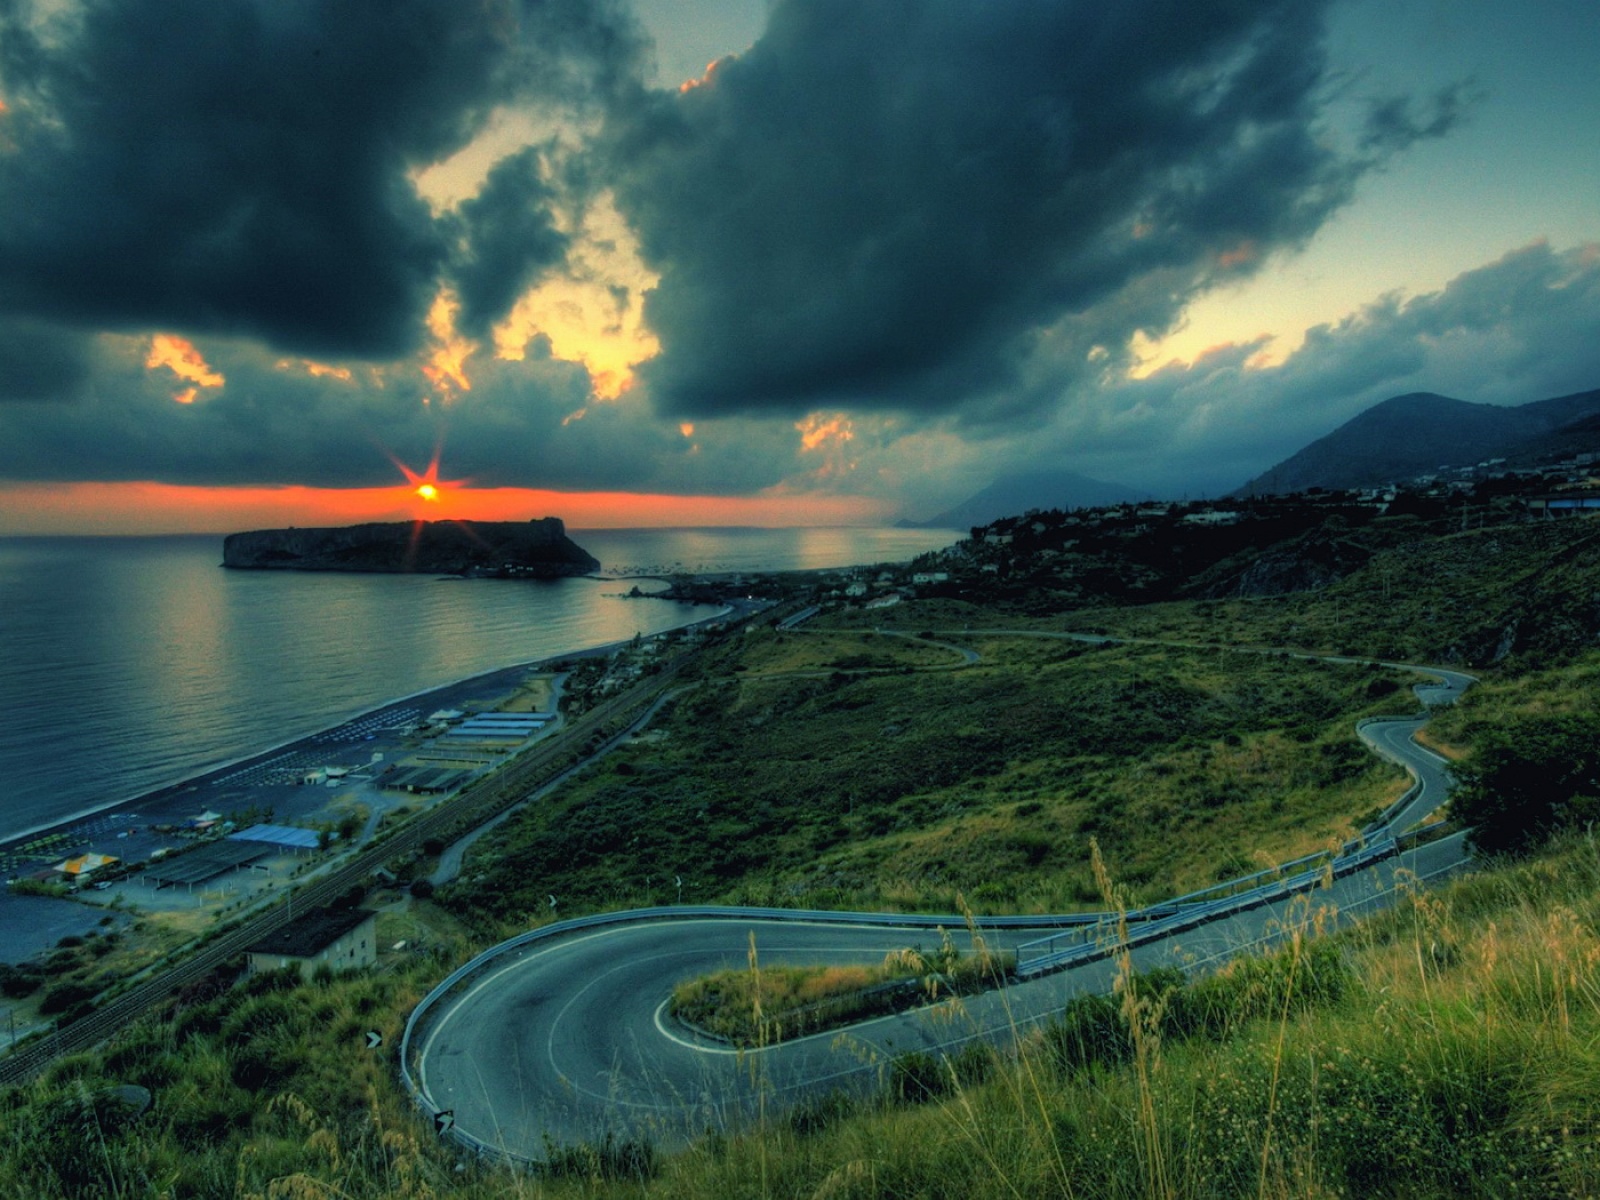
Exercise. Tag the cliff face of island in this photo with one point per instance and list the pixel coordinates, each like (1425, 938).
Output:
(538, 549)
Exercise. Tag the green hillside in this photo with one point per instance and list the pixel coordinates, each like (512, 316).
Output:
(1450, 1047)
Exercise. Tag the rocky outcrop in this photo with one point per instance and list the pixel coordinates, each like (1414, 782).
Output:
(538, 549)
(1307, 563)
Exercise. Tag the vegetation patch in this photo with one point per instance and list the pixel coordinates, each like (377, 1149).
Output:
(901, 791)
(763, 1005)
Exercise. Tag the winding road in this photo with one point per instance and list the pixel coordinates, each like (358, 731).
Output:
(562, 1035)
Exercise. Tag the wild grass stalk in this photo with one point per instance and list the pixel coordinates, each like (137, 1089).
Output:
(1142, 1014)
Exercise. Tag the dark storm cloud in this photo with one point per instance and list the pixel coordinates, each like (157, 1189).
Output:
(891, 204)
(273, 422)
(510, 238)
(40, 362)
(226, 166)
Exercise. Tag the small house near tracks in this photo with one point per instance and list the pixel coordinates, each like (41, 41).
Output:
(342, 939)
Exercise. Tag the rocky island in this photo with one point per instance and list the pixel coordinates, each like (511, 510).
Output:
(537, 549)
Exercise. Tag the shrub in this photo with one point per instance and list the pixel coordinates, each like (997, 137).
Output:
(1090, 1031)
(815, 1114)
(17, 982)
(917, 1076)
(65, 995)
(1529, 779)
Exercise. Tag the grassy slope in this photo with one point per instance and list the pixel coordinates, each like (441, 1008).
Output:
(1463, 1057)
(783, 781)
(1450, 1048)
(1521, 596)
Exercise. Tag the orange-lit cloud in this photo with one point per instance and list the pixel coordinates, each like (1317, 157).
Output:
(135, 508)
(819, 431)
(181, 358)
(689, 85)
(829, 436)
(315, 369)
(446, 364)
(594, 314)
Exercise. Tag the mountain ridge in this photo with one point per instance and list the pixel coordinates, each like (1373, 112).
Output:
(1418, 433)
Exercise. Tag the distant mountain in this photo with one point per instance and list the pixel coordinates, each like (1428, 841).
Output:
(1012, 495)
(538, 549)
(1418, 434)
(1580, 437)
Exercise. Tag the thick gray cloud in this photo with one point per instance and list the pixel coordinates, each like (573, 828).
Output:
(942, 218)
(41, 362)
(888, 205)
(510, 239)
(274, 422)
(241, 166)
(1519, 329)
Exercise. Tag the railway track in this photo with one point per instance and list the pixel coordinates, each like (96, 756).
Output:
(584, 738)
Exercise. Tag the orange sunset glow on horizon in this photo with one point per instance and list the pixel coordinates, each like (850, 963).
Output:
(131, 508)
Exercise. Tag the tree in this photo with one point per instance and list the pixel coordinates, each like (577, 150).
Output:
(1529, 779)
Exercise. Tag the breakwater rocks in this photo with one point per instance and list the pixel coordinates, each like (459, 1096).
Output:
(538, 549)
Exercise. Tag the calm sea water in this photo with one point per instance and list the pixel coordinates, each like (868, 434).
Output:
(130, 663)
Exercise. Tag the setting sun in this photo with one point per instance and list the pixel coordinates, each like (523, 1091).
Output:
(428, 492)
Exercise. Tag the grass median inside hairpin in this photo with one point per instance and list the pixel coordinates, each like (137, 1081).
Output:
(758, 1005)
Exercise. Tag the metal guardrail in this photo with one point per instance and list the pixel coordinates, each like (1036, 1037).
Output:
(1114, 933)
(417, 1022)
(1087, 930)
(1383, 820)
(515, 780)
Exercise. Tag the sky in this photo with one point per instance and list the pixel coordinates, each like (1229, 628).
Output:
(762, 262)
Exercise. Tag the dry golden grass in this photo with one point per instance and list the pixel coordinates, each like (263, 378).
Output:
(763, 1004)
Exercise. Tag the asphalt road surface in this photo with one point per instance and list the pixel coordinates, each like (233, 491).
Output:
(567, 1039)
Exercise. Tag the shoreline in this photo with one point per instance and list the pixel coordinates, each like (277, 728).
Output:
(171, 789)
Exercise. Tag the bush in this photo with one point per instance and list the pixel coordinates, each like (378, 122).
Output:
(815, 1114)
(69, 993)
(17, 982)
(1090, 1031)
(1529, 779)
(917, 1076)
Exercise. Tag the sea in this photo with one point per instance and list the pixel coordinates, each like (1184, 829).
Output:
(131, 663)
